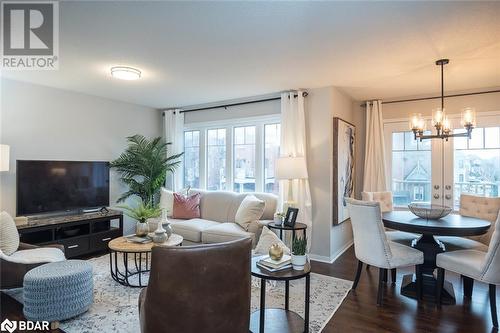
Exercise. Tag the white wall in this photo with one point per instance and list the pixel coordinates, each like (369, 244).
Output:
(234, 112)
(46, 123)
(321, 106)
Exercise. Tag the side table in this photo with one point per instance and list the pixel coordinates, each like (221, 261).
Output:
(280, 320)
(281, 227)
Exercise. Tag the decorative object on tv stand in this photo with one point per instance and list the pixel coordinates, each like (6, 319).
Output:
(291, 217)
(4, 157)
(440, 120)
(299, 257)
(141, 214)
(143, 167)
(276, 251)
(344, 138)
(429, 211)
(290, 168)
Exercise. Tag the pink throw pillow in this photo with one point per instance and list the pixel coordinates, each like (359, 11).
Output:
(186, 207)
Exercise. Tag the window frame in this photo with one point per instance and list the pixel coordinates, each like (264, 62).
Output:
(442, 154)
(229, 125)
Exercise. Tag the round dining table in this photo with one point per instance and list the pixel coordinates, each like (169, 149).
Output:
(450, 225)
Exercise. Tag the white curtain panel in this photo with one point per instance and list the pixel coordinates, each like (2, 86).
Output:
(374, 179)
(173, 121)
(293, 143)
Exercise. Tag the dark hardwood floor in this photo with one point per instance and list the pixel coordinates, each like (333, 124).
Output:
(359, 312)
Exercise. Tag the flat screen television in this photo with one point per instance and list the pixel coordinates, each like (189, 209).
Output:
(58, 186)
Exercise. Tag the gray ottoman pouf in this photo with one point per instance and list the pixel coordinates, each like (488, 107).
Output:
(58, 291)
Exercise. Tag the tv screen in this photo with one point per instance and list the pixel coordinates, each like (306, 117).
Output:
(54, 186)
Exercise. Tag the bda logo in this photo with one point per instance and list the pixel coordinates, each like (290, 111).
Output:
(8, 325)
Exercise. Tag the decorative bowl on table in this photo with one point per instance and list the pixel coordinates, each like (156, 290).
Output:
(429, 211)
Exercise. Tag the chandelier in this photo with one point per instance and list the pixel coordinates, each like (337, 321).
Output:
(440, 120)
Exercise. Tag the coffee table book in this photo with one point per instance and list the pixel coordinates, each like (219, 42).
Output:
(271, 263)
(137, 239)
(273, 270)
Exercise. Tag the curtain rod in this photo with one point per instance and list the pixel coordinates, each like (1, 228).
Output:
(436, 97)
(304, 94)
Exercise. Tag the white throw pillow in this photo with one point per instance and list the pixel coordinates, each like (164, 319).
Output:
(268, 238)
(250, 210)
(9, 237)
(167, 200)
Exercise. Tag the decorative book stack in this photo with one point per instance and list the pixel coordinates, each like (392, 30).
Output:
(272, 265)
(138, 239)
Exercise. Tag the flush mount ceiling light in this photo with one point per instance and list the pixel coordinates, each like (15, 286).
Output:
(125, 73)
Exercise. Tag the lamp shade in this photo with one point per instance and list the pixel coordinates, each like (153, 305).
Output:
(4, 157)
(291, 168)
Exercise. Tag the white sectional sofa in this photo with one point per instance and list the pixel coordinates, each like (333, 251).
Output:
(217, 215)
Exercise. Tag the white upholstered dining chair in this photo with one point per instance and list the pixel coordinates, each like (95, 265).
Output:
(479, 207)
(386, 205)
(473, 265)
(372, 247)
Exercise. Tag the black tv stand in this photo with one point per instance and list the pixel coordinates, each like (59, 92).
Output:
(80, 233)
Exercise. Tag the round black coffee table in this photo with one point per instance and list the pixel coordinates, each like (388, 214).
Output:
(281, 227)
(280, 320)
(450, 225)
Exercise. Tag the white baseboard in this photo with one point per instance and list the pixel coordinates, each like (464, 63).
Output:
(331, 259)
(315, 257)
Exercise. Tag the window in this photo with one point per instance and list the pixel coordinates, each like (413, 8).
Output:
(244, 159)
(477, 163)
(272, 133)
(232, 155)
(192, 159)
(439, 171)
(216, 159)
(411, 169)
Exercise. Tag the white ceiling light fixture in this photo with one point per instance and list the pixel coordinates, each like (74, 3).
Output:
(125, 73)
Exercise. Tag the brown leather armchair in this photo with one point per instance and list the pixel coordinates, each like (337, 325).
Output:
(12, 273)
(196, 289)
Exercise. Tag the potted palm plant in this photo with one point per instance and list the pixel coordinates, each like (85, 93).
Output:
(141, 214)
(299, 257)
(144, 166)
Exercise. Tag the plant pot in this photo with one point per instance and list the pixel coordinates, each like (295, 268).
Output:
(141, 228)
(298, 262)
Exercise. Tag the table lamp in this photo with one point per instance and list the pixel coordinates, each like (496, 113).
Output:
(4, 157)
(290, 168)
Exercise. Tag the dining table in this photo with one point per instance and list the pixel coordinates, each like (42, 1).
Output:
(427, 242)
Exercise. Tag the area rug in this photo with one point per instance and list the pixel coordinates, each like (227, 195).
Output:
(115, 306)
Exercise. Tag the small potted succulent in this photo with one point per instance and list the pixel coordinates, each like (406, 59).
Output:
(141, 214)
(299, 257)
(279, 218)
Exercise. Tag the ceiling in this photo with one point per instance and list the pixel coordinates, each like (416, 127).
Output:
(199, 52)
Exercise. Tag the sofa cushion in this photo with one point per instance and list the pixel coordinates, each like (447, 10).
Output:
(225, 232)
(270, 200)
(9, 237)
(268, 238)
(250, 211)
(191, 229)
(218, 205)
(35, 256)
(186, 207)
(167, 201)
